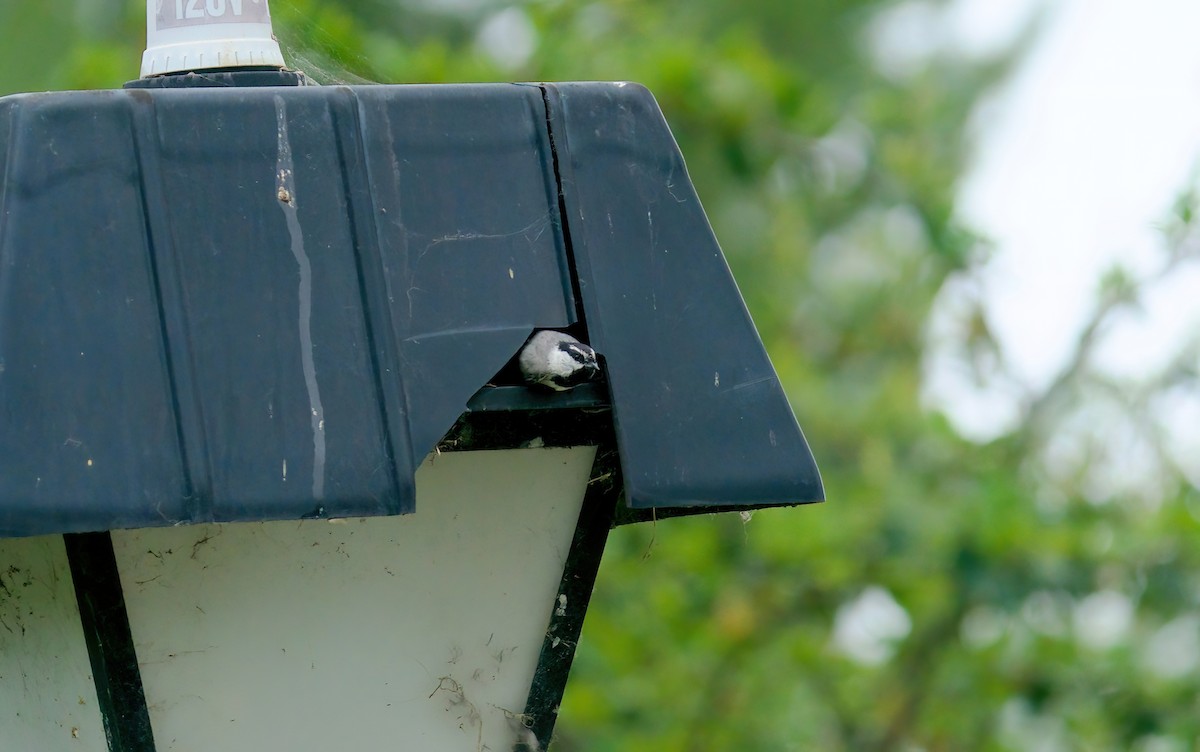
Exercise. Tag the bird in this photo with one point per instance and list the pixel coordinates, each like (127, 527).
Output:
(557, 361)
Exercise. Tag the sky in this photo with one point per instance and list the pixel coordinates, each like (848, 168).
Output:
(1077, 160)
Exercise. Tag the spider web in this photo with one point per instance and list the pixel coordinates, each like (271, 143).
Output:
(318, 56)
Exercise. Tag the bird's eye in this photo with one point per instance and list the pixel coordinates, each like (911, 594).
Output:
(578, 354)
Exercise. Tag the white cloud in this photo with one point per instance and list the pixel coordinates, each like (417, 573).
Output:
(1078, 160)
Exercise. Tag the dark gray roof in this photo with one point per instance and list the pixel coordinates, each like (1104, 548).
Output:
(199, 285)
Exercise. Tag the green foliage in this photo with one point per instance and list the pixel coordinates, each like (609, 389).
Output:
(831, 185)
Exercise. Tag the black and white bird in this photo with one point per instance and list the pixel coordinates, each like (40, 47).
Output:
(557, 361)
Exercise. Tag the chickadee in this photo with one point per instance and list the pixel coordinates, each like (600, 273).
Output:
(558, 361)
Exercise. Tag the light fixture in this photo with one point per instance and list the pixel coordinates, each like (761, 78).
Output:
(264, 480)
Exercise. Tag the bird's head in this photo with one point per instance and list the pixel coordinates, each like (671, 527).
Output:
(558, 361)
(574, 363)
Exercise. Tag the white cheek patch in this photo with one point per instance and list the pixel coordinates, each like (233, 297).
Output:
(562, 364)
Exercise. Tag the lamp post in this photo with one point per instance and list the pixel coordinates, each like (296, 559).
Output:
(267, 479)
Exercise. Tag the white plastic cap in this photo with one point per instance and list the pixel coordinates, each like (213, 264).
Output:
(194, 34)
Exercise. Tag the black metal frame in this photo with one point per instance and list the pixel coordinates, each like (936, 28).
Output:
(109, 641)
(577, 418)
(574, 594)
